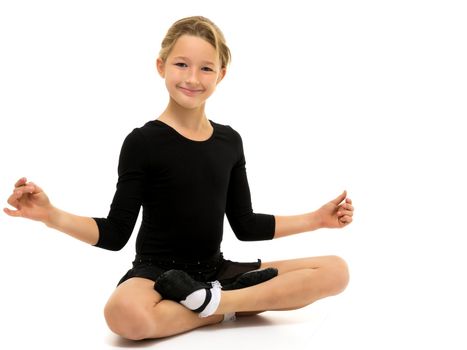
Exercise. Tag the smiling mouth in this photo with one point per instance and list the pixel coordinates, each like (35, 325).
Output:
(189, 91)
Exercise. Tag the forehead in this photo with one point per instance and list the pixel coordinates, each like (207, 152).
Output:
(195, 49)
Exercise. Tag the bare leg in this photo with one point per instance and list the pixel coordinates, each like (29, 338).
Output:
(135, 311)
(300, 283)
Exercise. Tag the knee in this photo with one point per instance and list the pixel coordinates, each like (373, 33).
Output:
(339, 273)
(127, 319)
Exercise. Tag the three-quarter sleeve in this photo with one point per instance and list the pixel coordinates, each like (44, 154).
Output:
(247, 225)
(116, 229)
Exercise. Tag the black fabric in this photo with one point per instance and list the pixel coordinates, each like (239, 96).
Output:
(252, 278)
(216, 268)
(177, 285)
(185, 187)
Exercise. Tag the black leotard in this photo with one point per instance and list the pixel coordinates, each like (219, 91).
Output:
(185, 187)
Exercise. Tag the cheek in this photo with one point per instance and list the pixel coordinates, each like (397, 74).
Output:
(210, 81)
(171, 80)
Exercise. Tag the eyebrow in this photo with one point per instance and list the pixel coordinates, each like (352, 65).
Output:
(186, 58)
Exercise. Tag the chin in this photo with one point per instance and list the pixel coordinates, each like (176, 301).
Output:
(182, 102)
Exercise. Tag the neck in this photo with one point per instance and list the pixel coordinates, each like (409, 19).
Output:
(190, 119)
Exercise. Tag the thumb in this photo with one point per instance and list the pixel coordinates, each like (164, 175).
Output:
(16, 213)
(340, 198)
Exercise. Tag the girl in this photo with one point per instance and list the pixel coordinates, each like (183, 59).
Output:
(187, 171)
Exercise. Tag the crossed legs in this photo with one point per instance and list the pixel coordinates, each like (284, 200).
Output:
(136, 311)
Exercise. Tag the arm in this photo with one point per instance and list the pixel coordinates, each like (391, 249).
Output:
(290, 225)
(82, 228)
(115, 230)
(110, 233)
(333, 214)
(246, 224)
(31, 202)
(250, 226)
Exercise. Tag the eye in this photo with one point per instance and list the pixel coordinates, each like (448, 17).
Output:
(207, 69)
(181, 64)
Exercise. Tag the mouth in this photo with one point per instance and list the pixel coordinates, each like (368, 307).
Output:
(190, 92)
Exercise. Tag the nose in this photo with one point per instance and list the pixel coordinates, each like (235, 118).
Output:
(192, 77)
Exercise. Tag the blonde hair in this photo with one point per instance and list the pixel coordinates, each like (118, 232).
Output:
(197, 26)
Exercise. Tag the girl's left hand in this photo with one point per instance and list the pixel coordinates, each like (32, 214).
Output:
(336, 214)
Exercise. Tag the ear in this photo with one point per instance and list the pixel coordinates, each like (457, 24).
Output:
(222, 73)
(160, 65)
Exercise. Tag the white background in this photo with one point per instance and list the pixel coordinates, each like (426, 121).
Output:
(366, 96)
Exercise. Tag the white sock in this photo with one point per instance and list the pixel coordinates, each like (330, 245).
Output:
(229, 317)
(215, 300)
(195, 299)
(198, 297)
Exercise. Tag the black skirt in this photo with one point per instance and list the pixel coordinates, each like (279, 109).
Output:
(216, 268)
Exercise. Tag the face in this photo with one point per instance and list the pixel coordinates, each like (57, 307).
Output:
(191, 71)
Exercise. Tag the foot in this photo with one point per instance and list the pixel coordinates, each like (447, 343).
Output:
(197, 296)
(176, 285)
(252, 278)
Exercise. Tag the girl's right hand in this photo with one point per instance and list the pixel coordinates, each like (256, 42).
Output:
(30, 201)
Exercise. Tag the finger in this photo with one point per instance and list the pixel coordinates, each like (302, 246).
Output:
(348, 200)
(10, 212)
(19, 191)
(20, 182)
(13, 201)
(34, 188)
(345, 219)
(345, 208)
(17, 194)
(340, 198)
(342, 213)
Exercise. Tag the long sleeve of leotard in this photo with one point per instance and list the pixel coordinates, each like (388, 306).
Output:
(116, 229)
(247, 225)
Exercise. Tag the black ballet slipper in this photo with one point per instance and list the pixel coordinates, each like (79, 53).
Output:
(176, 285)
(252, 278)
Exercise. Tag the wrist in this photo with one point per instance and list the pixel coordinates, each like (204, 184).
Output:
(53, 217)
(314, 221)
